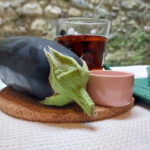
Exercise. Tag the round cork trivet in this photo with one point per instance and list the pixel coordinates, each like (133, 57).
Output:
(25, 107)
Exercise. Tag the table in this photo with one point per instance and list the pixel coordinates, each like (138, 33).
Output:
(129, 131)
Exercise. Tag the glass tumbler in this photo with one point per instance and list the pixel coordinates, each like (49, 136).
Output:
(87, 37)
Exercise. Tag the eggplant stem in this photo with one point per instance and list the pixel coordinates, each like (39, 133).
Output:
(82, 98)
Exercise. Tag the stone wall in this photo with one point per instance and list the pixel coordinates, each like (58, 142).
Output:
(129, 41)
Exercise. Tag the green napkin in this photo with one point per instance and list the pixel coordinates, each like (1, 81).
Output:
(141, 89)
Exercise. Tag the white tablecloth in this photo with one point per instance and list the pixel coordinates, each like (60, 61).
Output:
(129, 131)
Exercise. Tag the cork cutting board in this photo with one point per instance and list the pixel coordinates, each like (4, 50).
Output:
(25, 107)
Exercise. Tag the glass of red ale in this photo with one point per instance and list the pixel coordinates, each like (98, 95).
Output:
(87, 37)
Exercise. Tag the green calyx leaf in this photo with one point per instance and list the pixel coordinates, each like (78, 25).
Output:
(68, 80)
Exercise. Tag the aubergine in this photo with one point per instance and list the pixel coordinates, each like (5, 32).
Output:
(24, 66)
(46, 70)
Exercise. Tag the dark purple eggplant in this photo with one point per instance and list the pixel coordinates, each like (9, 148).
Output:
(24, 66)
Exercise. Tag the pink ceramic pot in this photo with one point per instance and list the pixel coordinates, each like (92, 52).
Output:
(111, 88)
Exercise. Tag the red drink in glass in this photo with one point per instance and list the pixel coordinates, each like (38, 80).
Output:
(86, 37)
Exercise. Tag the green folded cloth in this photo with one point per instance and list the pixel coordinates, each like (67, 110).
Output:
(106, 67)
(141, 89)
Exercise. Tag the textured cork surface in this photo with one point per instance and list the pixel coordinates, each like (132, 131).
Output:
(25, 107)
